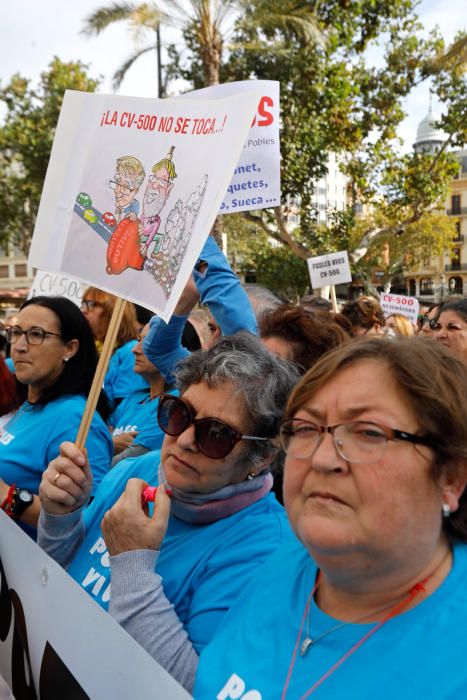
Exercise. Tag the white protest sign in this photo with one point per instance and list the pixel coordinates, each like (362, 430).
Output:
(51, 284)
(133, 187)
(256, 180)
(332, 268)
(398, 304)
(55, 642)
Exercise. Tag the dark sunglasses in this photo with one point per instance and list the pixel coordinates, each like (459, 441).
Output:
(214, 438)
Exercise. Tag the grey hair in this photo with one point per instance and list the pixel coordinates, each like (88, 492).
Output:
(263, 380)
(261, 298)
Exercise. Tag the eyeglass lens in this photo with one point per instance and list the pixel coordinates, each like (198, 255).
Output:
(355, 442)
(214, 438)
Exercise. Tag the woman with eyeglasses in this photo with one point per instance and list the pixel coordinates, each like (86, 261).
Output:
(371, 600)
(176, 569)
(120, 380)
(55, 358)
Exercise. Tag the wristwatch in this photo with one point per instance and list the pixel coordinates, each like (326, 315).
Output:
(22, 499)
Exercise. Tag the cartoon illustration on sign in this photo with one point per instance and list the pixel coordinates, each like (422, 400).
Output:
(144, 242)
(158, 190)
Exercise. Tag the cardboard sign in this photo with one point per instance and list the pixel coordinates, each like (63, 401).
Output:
(55, 642)
(256, 180)
(332, 268)
(398, 304)
(49, 284)
(133, 188)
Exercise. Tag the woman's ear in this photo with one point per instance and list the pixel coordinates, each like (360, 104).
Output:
(71, 349)
(453, 484)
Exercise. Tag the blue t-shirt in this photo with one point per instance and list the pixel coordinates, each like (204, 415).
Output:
(418, 654)
(203, 567)
(121, 379)
(32, 438)
(139, 413)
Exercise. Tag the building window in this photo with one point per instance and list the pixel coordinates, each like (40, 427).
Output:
(412, 288)
(456, 204)
(426, 286)
(458, 229)
(4, 271)
(456, 259)
(21, 270)
(455, 285)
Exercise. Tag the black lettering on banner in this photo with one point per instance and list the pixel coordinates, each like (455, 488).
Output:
(56, 681)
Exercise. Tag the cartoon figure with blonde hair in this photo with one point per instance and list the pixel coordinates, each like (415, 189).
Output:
(158, 189)
(128, 178)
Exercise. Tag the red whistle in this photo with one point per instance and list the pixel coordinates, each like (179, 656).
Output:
(149, 494)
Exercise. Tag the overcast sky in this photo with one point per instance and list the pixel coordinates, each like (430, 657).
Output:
(33, 31)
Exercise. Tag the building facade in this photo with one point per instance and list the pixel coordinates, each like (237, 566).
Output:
(445, 275)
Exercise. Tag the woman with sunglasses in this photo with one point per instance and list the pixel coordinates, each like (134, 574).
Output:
(370, 600)
(97, 307)
(177, 570)
(55, 359)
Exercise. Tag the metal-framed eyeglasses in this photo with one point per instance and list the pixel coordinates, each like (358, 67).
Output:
(213, 437)
(34, 335)
(124, 188)
(89, 304)
(360, 442)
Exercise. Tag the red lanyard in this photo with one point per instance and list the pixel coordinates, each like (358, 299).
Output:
(414, 591)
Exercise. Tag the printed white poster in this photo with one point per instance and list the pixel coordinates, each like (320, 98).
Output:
(133, 188)
(56, 643)
(399, 304)
(50, 284)
(256, 179)
(332, 268)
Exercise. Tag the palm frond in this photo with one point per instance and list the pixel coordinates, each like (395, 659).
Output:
(102, 18)
(119, 75)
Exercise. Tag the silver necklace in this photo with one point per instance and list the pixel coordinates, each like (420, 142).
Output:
(309, 642)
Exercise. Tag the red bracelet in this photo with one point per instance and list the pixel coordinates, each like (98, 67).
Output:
(8, 502)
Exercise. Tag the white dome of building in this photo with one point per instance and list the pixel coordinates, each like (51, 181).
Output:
(428, 137)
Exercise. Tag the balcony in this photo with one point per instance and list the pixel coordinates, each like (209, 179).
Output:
(455, 267)
(457, 211)
(459, 238)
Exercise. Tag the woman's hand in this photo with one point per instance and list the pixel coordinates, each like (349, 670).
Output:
(127, 525)
(123, 441)
(67, 482)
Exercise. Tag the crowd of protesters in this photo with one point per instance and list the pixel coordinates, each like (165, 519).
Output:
(356, 421)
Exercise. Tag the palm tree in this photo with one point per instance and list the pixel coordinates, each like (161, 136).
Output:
(205, 20)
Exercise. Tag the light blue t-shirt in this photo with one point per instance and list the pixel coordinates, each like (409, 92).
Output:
(418, 654)
(121, 380)
(32, 438)
(139, 413)
(203, 567)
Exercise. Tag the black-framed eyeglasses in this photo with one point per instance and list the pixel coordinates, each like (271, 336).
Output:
(124, 188)
(34, 335)
(361, 442)
(89, 304)
(213, 437)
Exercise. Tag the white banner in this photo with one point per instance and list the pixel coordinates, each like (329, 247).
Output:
(398, 304)
(50, 284)
(56, 643)
(133, 188)
(332, 268)
(256, 181)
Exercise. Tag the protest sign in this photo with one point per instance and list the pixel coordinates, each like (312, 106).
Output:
(55, 642)
(50, 284)
(398, 304)
(256, 179)
(133, 188)
(332, 268)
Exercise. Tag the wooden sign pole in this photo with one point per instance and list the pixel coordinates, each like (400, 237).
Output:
(101, 370)
(334, 299)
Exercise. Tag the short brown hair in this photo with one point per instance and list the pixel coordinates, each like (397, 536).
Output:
(309, 335)
(364, 312)
(433, 382)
